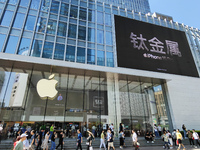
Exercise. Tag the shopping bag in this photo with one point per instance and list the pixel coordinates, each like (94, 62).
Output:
(177, 142)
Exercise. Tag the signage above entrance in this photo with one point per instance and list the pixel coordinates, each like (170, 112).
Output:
(150, 47)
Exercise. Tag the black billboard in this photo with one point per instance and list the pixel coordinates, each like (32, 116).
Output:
(151, 47)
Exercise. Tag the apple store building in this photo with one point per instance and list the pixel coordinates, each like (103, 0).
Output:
(95, 64)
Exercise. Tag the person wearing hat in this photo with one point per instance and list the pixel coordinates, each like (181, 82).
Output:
(19, 145)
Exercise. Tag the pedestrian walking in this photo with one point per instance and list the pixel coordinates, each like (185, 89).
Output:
(51, 131)
(174, 137)
(102, 139)
(165, 138)
(53, 137)
(110, 140)
(60, 140)
(135, 140)
(26, 143)
(190, 136)
(33, 141)
(121, 139)
(45, 142)
(196, 138)
(19, 145)
(89, 141)
(170, 139)
(79, 140)
(15, 141)
(179, 138)
(40, 139)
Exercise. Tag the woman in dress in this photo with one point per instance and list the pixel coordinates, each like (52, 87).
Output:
(45, 142)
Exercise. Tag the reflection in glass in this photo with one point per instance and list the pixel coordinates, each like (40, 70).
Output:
(91, 15)
(54, 7)
(30, 23)
(35, 4)
(51, 27)
(13, 2)
(100, 36)
(12, 44)
(91, 34)
(36, 48)
(19, 19)
(59, 51)
(82, 33)
(82, 13)
(2, 38)
(62, 28)
(110, 60)
(80, 55)
(108, 19)
(45, 5)
(91, 56)
(24, 3)
(101, 58)
(108, 38)
(64, 9)
(75, 2)
(7, 18)
(48, 50)
(99, 17)
(41, 24)
(70, 53)
(72, 31)
(24, 47)
(73, 11)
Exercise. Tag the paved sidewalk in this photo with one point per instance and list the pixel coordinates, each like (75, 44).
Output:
(152, 148)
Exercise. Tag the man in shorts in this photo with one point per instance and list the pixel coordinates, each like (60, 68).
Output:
(110, 140)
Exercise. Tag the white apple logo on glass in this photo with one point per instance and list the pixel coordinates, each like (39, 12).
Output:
(46, 88)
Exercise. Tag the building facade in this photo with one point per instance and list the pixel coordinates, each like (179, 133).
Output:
(76, 41)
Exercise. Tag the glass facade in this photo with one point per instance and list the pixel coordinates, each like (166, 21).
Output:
(38, 27)
(85, 99)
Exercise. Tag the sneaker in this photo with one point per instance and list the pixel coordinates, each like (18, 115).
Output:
(164, 147)
(152, 142)
(147, 141)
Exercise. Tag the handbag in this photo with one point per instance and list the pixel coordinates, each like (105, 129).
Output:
(91, 148)
(87, 143)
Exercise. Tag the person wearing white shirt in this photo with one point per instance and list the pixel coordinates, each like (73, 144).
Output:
(111, 127)
(134, 138)
(196, 138)
(159, 130)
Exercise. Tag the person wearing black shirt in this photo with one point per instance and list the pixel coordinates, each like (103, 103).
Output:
(40, 139)
(53, 144)
(89, 141)
(148, 137)
(110, 141)
(60, 140)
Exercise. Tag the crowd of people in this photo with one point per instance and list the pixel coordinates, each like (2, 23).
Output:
(34, 140)
(40, 140)
(173, 139)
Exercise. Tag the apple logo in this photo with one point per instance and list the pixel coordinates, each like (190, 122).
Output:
(46, 88)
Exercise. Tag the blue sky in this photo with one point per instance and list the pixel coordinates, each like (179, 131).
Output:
(182, 11)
